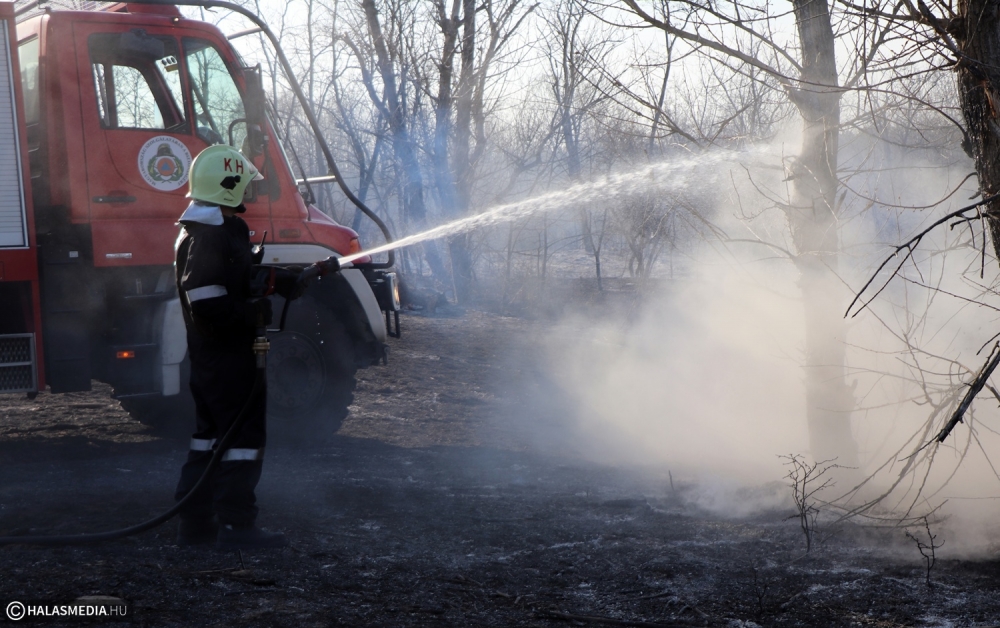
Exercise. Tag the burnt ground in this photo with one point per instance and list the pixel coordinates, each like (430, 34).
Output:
(435, 506)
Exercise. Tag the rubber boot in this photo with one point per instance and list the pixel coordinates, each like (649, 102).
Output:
(197, 531)
(248, 537)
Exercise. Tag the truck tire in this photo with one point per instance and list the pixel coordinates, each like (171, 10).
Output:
(170, 417)
(310, 382)
(310, 375)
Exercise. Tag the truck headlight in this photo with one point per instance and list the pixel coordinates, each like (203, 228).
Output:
(392, 287)
(386, 288)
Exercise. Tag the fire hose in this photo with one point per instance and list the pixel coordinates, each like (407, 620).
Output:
(260, 349)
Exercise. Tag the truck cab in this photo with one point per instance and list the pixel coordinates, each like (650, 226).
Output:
(115, 106)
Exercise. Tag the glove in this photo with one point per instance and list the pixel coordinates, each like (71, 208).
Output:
(286, 283)
(257, 254)
(320, 269)
(259, 312)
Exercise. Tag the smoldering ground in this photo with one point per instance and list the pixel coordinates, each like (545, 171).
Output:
(434, 506)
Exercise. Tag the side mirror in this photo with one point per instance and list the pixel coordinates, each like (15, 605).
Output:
(305, 190)
(254, 104)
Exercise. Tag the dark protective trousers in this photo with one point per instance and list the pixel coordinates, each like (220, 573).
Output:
(221, 383)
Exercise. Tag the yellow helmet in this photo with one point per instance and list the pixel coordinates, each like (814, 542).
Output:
(219, 175)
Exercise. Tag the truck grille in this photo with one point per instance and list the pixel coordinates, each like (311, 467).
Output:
(17, 363)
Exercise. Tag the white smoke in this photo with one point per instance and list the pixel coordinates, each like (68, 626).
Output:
(706, 380)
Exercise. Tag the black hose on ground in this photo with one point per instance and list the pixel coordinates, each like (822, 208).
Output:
(81, 539)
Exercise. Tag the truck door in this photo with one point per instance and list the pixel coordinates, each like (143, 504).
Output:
(149, 107)
(137, 138)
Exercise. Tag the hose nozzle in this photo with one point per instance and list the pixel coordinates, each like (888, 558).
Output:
(323, 267)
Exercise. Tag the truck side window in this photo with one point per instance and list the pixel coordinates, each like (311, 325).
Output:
(137, 80)
(28, 57)
(218, 104)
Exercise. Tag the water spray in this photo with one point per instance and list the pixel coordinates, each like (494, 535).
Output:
(661, 176)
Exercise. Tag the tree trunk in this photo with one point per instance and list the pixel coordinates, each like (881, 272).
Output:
(443, 176)
(452, 170)
(566, 97)
(979, 89)
(813, 221)
(458, 245)
(413, 185)
(811, 212)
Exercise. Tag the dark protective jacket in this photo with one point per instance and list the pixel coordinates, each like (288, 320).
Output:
(214, 264)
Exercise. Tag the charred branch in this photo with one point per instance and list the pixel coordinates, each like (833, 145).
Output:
(907, 248)
(975, 388)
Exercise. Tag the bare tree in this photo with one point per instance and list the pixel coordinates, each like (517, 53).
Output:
(460, 108)
(576, 54)
(927, 550)
(807, 480)
(966, 35)
(742, 36)
(388, 58)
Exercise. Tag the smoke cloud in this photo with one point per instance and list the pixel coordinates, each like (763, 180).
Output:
(704, 377)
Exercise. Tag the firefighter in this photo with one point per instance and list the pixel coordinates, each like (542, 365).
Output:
(214, 261)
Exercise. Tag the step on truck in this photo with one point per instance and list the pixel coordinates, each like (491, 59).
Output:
(101, 113)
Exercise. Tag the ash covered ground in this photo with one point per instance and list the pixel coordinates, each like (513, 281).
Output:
(435, 505)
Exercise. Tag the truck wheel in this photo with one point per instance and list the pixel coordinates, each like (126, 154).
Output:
(170, 417)
(310, 375)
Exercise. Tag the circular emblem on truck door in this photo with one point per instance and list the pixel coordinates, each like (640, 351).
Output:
(164, 163)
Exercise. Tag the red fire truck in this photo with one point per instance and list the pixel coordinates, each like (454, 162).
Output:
(101, 112)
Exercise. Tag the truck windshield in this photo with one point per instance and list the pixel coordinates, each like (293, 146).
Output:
(137, 80)
(218, 105)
